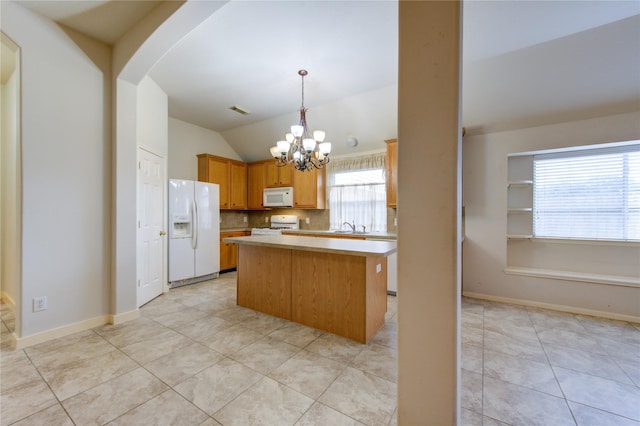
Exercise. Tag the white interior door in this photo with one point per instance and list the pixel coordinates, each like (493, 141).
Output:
(151, 226)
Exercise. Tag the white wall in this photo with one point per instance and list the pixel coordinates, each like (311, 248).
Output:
(66, 168)
(485, 245)
(187, 140)
(152, 114)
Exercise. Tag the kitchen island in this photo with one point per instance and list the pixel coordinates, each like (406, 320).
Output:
(332, 284)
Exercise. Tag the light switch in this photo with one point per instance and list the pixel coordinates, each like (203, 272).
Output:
(307, 221)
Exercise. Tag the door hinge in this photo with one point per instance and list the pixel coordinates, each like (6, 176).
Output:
(138, 283)
(138, 224)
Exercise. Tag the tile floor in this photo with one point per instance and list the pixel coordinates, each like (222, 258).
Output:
(195, 358)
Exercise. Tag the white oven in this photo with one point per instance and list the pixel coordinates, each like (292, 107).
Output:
(278, 223)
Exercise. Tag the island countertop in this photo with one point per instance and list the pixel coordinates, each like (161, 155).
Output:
(325, 245)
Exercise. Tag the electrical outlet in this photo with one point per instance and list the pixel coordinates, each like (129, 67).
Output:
(39, 303)
(266, 219)
(395, 221)
(244, 219)
(307, 221)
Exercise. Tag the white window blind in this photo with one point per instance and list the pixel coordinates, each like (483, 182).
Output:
(588, 194)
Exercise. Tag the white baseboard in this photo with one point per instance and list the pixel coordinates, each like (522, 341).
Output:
(554, 307)
(124, 317)
(65, 330)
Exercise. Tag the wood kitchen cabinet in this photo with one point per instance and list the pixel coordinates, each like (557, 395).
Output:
(278, 176)
(256, 175)
(391, 166)
(229, 251)
(230, 174)
(309, 189)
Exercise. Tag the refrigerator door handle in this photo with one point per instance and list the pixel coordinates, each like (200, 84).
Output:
(194, 218)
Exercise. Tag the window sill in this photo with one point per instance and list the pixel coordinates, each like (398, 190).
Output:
(616, 280)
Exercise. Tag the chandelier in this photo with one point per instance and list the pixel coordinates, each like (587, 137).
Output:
(299, 148)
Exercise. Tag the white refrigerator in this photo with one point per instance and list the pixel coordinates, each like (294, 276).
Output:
(194, 232)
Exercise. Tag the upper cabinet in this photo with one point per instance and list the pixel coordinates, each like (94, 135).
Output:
(309, 189)
(391, 164)
(230, 174)
(256, 173)
(278, 176)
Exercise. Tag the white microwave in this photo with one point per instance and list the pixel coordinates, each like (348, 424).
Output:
(278, 197)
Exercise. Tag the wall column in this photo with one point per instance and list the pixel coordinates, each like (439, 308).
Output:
(429, 194)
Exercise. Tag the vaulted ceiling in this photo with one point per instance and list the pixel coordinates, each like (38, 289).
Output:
(526, 63)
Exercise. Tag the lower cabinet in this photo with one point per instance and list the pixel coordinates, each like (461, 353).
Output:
(229, 251)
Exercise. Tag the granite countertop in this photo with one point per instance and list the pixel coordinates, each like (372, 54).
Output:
(346, 246)
(358, 235)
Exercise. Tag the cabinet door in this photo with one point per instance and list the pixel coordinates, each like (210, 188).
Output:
(285, 176)
(304, 189)
(272, 174)
(256, 183)
(218, 172)
(391, 164)
(238, 187)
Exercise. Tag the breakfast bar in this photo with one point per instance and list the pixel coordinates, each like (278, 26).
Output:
(332, 284)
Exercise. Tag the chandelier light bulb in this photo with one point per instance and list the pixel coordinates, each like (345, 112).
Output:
(325, 148)
(297, 130)
(309, 144)
(319, 135)
(290, 138)
(275, 151)
(283, 147)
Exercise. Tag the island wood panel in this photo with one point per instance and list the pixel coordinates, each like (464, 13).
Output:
(264, 280)
(329, 293)
(376, 294)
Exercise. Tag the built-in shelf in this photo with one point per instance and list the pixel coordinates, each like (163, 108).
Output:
(520, 183)
(519, 237)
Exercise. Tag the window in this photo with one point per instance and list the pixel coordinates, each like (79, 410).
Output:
(357, 193)
(588, 193)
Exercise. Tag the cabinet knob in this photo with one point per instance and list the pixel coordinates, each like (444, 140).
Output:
(162, 233)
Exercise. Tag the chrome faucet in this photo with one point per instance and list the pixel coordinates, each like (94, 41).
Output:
(352, 226)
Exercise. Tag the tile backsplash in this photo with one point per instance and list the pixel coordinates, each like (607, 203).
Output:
(318, 219)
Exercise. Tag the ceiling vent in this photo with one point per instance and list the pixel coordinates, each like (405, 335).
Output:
(239, 110)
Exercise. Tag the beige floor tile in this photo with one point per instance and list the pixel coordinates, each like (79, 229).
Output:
(571, 339)
(378, 360)
(178, 366)
(24, 400)
(111, 399)
(387, 336)
(510, 345)
(362, 396)
(233, 339)
(203, 329)
(168, 408)
(472, 358)
(336, 348)
(513, 404)
(266, 403)
(16, 369)
(471, 395)
(296, 334)
(216, 386)
(586, 362)
(180, 318)
(589, 416)
(263, 324)
(521, 371)
(236, 314)
(54, 415)
(321, 415)
(68, 350)
(153, 346)
(130, 332)
(69, 379)
(470, 418)
(265, 355)
(608, 395)
(308, 373)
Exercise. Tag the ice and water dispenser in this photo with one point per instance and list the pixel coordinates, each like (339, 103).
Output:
(181, 226)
